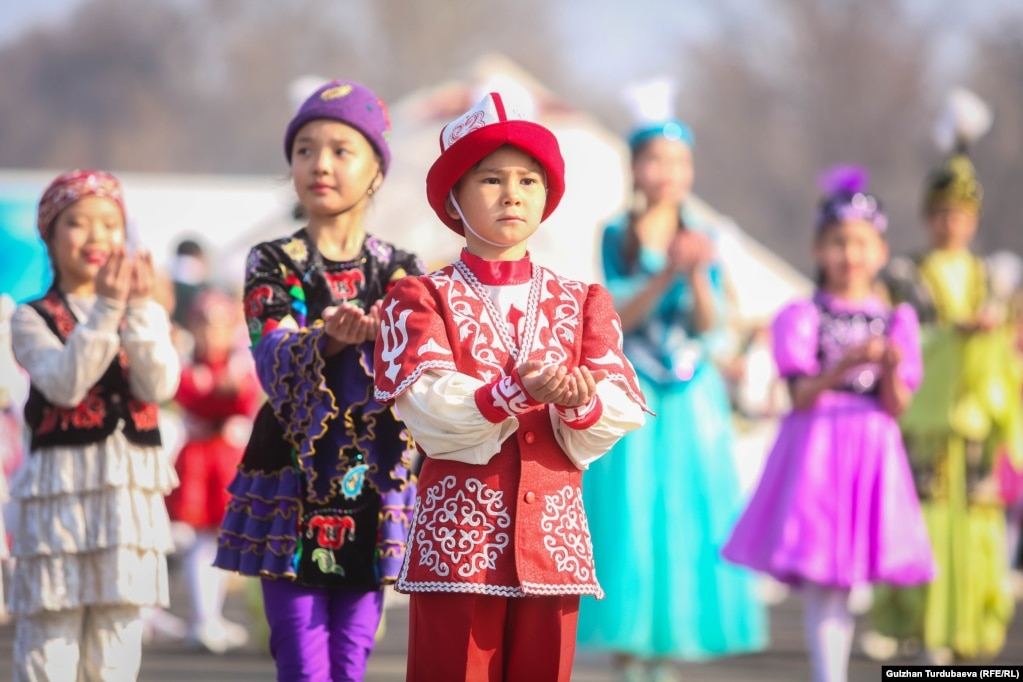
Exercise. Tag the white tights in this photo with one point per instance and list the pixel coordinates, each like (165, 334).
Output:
(828, 624)
(205, 582)
(92, 643)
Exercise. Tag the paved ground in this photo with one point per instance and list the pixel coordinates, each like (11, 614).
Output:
(785, 661)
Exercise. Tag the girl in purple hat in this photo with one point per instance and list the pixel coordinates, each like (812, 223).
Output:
(835, 507)
(320, 506)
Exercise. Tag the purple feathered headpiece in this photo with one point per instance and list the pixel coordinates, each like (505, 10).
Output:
(846, 198)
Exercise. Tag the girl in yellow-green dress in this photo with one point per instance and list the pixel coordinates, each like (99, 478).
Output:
(966, 411)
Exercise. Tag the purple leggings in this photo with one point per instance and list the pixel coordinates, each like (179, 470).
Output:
(320, 635)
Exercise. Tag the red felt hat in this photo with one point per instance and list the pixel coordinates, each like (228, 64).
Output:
(481, 130)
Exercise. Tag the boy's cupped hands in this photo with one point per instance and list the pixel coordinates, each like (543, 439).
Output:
(559, 385)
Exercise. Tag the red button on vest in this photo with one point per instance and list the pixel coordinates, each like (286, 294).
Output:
(529, 437)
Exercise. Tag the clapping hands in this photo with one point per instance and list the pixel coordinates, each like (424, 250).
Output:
(125, 277)
(690, 250)
(143, 276)
(892, 356)
(875, 350)
(870, 351)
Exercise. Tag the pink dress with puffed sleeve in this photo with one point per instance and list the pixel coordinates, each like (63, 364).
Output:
(836, 504)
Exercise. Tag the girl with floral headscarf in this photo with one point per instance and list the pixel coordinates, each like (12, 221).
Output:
(92, 530)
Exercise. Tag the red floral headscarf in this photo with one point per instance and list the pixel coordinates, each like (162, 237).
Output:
(68, 188)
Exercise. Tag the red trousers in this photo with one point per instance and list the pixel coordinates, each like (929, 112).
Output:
(483, 638)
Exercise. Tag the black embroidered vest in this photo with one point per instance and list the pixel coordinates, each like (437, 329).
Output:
(838, 331)
(106, 404)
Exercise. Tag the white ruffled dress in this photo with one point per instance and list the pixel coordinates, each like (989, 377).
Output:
(91, 525)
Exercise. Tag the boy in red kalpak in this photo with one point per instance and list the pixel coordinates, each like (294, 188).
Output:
(219, 394)
(512, 380)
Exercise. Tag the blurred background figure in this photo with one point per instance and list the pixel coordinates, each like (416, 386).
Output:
(664, 499)
(1009, 474)
(967, 410)
(13, 392)
(219, 395)
(189, 275)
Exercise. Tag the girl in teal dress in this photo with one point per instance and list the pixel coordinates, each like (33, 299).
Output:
(664, 499)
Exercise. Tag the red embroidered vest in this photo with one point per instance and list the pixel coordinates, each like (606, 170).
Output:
(105, 405)
(516, 525)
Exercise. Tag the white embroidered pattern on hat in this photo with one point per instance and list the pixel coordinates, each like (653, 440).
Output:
(490, 110)
(465, 125)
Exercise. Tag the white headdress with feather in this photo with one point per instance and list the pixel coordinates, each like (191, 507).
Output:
(651, 101)
(964, 119)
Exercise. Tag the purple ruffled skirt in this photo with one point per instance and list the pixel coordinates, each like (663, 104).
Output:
(259, 533)
(836, 504)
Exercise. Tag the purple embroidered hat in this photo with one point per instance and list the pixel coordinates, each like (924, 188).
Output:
(350, 103)
(846, 198)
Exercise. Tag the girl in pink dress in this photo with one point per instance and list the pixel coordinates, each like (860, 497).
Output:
(835, 507)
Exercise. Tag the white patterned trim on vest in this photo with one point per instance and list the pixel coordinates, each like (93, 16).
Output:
(567, 534)
(406, 586)
(544, 589)
(531, 313)
(394, 339)
(528, 589)
(422, 368)
(461, 525)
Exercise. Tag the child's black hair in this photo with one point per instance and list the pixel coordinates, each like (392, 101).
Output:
(189, 247)
(630, 246)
